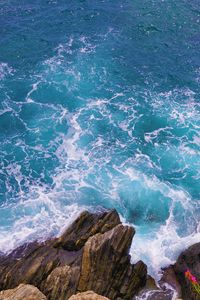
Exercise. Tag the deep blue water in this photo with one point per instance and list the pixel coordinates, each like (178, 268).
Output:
(99, 106)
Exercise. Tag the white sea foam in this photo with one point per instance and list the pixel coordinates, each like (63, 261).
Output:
(38, 218)
(163, 248)
(5, 70)
(160, 248)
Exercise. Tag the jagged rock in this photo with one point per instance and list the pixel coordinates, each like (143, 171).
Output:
(85, 226)
(22, 292)
(106, 267)
(33, 263)
(188, 260)
(89, 295)
(150, 284)
(61, 283)
(92, 254)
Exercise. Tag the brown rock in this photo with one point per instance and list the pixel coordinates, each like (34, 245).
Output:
(33, 263)
(35, 266)
(89, 295)
(22, 292)
(61, 283)
(87, 225)
(92, 254)
(106, 267)
(151, 284)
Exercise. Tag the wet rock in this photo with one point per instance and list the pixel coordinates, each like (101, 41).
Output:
(87, 225)
(35, 266)
(188, 260)
(61, 283)
(92, 254)
(89, 295)
(22, 292)
(32, 263)
(151, 284)
(106, 267)
(151, 291)
(170, 278)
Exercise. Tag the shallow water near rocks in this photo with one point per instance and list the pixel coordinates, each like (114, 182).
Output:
(99, 106)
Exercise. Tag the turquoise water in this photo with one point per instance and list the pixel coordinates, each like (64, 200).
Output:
(99, 106)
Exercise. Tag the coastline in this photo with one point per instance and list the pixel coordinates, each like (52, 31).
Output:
(93, 255)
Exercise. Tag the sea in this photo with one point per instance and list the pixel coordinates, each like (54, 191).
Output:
(100, 107)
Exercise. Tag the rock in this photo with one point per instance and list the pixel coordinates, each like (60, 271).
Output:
(22, 292)
(87, 225)
(92, 254)
(89, 295)
(33, 263)
(106, 267)
(188, 260)
(152, 292)
(151, 284)
(61, 283)
(170, 278)
(35, 266)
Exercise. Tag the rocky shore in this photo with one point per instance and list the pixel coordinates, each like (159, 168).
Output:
(91, 261)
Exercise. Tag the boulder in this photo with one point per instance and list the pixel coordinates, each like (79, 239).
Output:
(22, 292)
(89, 295)
(87, 225)
(106, 267)
(61, 283)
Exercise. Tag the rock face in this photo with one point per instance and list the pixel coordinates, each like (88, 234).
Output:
(92, 254)
(87, 296)
(106, 259)
(61, 283)
(85, 226)
(188, 260)
(22, 292)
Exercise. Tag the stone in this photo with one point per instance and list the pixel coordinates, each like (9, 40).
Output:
(152, 292)
(89, 295)
(22, 292)
(106, 267)
(92, 254)
(32, 263)
(151, 284)
(87, 224)
(61, 283)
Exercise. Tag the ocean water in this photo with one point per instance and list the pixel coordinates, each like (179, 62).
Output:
(100, 106)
